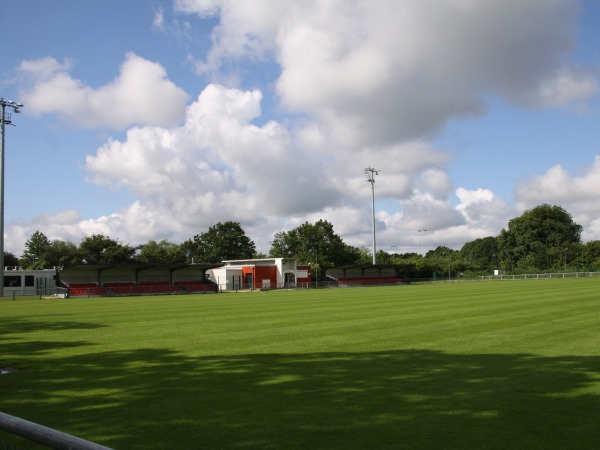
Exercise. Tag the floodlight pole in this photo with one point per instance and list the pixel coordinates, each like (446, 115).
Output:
(370, 172)
(4, 120)
(422, 231)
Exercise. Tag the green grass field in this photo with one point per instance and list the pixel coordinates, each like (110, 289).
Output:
(513, 364)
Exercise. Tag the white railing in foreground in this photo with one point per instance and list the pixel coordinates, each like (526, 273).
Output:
(46, 436)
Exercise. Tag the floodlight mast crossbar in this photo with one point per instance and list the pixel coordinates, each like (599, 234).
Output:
(4, 120)
(370, 172)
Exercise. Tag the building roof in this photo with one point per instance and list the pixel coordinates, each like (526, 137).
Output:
(140, 266)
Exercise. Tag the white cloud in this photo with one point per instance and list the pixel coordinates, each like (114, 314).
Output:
(567, 86)
(158, 23)
(371, 71)
(216, 166)
(436, 181)
(141, 94)
(578, 194)
(368, 82)
(65, 225)
(219, 166)
(484, 212)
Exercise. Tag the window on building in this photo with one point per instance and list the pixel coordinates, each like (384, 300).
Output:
(12, 280)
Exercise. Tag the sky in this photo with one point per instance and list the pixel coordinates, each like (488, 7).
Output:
(156, 119)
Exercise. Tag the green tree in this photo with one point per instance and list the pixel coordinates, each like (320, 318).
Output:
(36, 251)
(481, 254)
(11, 260)
(162, 252)
(221, 242)
(538, 238)
(592, 255)
(100, 249)
(361, 255)
(384, 257)
(62, 253)
(314, 243)
(444, 261)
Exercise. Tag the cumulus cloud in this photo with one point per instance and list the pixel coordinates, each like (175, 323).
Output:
(567, 86)
(483, 210)
(366, 83)
(216, 166)
(558, 186)
(141, 94)
(64, 225)
(219, 166)
(373, 73)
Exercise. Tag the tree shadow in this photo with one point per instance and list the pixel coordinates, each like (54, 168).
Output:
(155, 398)
(13, 326)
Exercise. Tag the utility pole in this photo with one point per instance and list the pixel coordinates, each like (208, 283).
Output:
(5, 119)
(370, 172)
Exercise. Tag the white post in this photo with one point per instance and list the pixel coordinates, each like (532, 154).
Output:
(370, 172)
(3, 121)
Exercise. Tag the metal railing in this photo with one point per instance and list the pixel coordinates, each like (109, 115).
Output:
(14, 293)
(46, 436)
(540, 276)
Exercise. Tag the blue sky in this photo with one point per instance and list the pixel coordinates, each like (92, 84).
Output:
(157, 119)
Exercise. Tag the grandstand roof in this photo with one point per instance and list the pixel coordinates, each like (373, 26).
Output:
(141, 266)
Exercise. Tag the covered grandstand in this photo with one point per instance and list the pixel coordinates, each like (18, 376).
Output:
(137, 279)
(367, 275)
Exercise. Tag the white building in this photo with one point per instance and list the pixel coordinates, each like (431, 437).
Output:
(266, 273)
(19, 281)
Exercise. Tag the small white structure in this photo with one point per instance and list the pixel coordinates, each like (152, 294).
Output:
(19, 281)
(264, 273)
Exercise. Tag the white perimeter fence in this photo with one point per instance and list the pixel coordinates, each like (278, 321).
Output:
(540, 276)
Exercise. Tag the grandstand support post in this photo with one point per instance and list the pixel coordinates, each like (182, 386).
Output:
(370, 172)
(4, 120)
(316, 267)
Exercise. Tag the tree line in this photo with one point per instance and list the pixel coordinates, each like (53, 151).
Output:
(542, 239)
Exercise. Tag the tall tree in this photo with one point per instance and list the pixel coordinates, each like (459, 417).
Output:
(36, 251)
(221, 242)
(100, 249)
(62, 253)
(314, 243)
(162, 252)
(481, 254)
(11, 260)
(592, 255)
(538, 238)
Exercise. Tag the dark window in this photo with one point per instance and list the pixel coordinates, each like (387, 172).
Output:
(29, 280)
(12, 280)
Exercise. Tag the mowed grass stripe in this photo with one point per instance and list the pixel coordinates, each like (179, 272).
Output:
(425, 314)
(447, 365)
(399, 311)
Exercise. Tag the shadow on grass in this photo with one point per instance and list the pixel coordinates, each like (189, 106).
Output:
(23, 326)
(153, 398)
